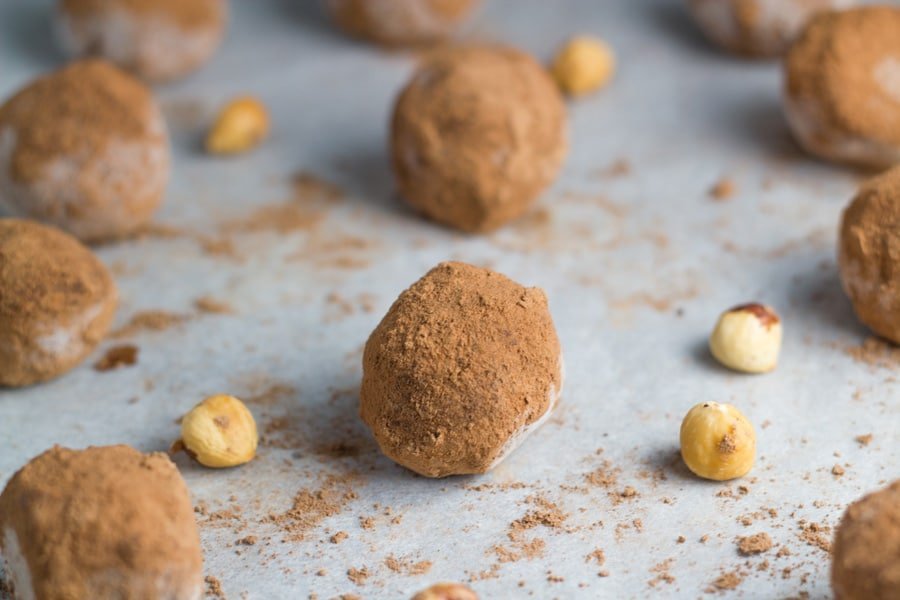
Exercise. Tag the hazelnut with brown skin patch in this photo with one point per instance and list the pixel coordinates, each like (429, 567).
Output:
(446, 591)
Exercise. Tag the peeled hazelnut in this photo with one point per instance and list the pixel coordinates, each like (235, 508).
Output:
(747, 338)
(446, 591)
(240, 126)
(583, 64)
(219, 432)
(717, 442)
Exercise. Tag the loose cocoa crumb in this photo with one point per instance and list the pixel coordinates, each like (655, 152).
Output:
(339, 537)
(148, 320)
(205, 304)
(406, 566)
(837, 470)
(723, 190)
(311, 507)
(118, 356)
(358, 576)
(367, 523)
(864, 440)
(876, 353)
(727, 581)
(213, 587)
(597, 556)
(754, 544)
(662, 573)
(680, 539)
(249, 540)
(603, 476)
(816, 535)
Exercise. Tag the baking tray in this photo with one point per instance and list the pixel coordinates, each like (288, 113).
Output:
(635, 256)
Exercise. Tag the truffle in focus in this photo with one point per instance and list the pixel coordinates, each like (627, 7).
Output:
(463, 367)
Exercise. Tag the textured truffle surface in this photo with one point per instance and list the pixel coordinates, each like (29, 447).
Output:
(156, 40)
(400, 22)
(105, 522)
(462, 367)
(477, 135)
(842, 86)
(757, 28)
(57, 301)
(869, 254)
(84, 148)
(866, 564)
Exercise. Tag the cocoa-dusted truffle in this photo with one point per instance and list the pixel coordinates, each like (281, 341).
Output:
(757, 28)
(157, 40)
(400, 22)
(477, 135)
(842, 92)
(57, 301)
(106, 522)
(866, 563)
(465, 364)
(869, 254)
(86, 149)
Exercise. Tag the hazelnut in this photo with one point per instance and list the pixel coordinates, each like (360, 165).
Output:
(241, 125)
(717, 441)
(219, 432)
(446, 591)
(582, 65)
(747, 338)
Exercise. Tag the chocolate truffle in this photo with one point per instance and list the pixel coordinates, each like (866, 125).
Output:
(107, 522)
(157, 40)
(866, 563)
(57, 301)
(477, 135)
(757, 28)
(868, 247)
(400, 22)
(842, 92)
(462, 368)
(86, 149)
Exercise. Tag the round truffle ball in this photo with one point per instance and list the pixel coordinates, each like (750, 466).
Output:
(866, 562)
(107, 522)
(842, 92)
(868, 247)
(757, 28)
(157, 40)
(465, 364)
(400, 22)
(477, 135)
(86, 149)
(57, 301)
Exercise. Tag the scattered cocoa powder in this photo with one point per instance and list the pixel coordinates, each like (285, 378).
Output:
(837, 470)
(816, 535)
(358, 576)
(312, 506)
(148, 320)
(727, 581)
(406, 566)
(206, 304)
(338, 537)
(118, 356)
(864, 440)
(213, 587)
(755, 544)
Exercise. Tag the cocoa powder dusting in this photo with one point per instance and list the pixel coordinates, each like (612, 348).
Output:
(312, 506)
(755, 544)
(457, 334)
(148, 320)
(77, 110)
(105, 510)
(189, 15)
